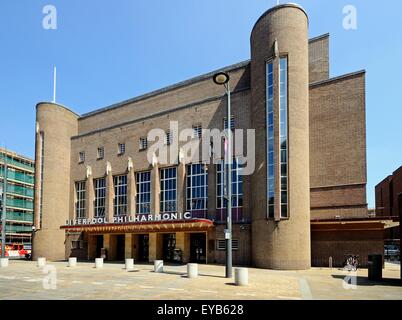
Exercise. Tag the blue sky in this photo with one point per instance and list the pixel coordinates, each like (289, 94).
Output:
(108, 51)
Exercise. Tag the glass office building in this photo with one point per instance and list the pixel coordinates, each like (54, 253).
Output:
(19, 197)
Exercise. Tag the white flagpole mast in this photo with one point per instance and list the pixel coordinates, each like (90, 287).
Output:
(54, 84)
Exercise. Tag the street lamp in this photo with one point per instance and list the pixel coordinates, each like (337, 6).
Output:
(222, 78)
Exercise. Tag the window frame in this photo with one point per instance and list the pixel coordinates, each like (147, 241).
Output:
(222, 183)
(81, 199)
(99, 199)
(143, 143)
(270, 136)
(120, 201)
(81, 157)
(139, 185)
(100, 153)
(197, 131)
(170, 191)
(192, 175)
(121, 148)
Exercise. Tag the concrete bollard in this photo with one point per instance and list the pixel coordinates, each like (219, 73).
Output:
(3, 262)
(241, 276)
(99, 263)
(192, 270)
(129, 264)
(158, 266)
(72, 262)
(41, 262)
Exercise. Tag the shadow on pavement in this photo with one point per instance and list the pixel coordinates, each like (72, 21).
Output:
(364, 281)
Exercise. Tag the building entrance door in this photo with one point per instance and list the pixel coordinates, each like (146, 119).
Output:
(198, 248)
(120, 247)
(143, 247)
(169, 246)
(99, 246)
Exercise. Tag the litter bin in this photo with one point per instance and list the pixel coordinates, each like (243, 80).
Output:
(375, 267)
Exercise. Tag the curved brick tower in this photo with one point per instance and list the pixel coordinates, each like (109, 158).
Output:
(55, 125)
(280, 102)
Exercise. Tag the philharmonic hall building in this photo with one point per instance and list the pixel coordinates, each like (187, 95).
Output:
(97, 192)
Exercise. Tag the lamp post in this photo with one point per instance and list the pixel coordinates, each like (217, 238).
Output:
(3, 194)
(222, 78)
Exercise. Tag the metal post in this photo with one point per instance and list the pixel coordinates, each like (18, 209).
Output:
(229, 191)
(3, 217)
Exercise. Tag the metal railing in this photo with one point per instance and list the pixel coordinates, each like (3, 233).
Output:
(19, 216)
(18, 164)
(20, 203)
(18, 190)
(14, 228)
(18, 176)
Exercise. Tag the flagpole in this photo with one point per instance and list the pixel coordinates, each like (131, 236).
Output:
(54, 83)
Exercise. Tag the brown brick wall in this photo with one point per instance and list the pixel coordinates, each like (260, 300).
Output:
(165, 101)
(319, 58)
(338, 146)
(383, 196)
(336, 244)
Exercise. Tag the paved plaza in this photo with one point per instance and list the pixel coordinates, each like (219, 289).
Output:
(24, 280)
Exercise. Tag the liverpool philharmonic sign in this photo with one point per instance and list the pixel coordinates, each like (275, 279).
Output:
(131, 219)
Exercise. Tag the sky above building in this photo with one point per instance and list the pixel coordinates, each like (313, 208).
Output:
(110, 51)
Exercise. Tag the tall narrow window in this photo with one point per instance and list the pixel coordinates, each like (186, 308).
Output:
(283, 133)
(270, 141)
(237, 191)
(80, 209)
(168, 194)
(42, 161)
(143, 192)
(100, 197)
(197, 190)
(120, 195)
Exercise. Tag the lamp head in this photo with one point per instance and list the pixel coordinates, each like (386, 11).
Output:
(221, 78)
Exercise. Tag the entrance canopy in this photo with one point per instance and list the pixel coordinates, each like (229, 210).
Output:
(193, 225)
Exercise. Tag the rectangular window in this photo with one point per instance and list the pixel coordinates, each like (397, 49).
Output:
(221, 244)
(143, 192)
(168, 195)
(121, 149)
(120, 195)
(101, 153)
(232, 123)
(81, 157)
(197, 131)
(80, 208)
(237, 191)
(283, 134)
(143, 143)
(100, 197)
(197, 190)
(270, 141)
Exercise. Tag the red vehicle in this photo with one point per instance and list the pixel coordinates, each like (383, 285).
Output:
(17, 251)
